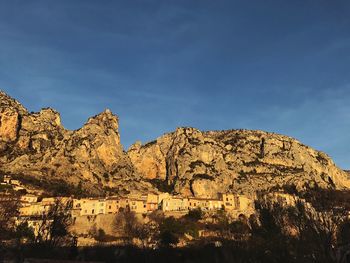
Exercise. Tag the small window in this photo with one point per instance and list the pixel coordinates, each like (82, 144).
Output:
(110, 207)
(93, 211)
(144, 206)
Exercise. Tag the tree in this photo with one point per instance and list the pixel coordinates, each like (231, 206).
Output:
(168, 238)
(171, 229)
(23, 230)
(53, 225)
(100, 235)
(239, 229)
(195, 214)
(126, 224)
(8, 214)
(344, 233)
(301, 229)
(130, 227)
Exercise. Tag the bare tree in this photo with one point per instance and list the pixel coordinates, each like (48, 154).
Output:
(129, 227)
(8, 214)
(314, 229)
(53, 225)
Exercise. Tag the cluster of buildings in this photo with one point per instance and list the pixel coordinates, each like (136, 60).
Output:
(16, 184)
(143, 204)
(33, 206)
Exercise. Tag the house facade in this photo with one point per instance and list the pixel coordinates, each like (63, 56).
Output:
(28, 198)
(90, 206)
(174, 204)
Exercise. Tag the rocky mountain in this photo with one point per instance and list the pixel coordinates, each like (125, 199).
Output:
(207, 163)
(36, 144)
(187, 161)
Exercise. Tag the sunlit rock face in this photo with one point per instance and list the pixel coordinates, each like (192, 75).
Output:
(191, 162)
(207, 163)
(37, 144)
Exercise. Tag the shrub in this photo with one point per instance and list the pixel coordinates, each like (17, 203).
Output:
(195, 214)
(100, 235)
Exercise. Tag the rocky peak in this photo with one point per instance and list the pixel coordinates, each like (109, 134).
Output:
(105, 119)
(7, 102)
(45, 119)
(204, 164)
(190, 161)
(105, 124)
(36, 144)
(50, 115)
(10, 119)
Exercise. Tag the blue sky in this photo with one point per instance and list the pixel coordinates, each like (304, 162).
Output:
(279, 66)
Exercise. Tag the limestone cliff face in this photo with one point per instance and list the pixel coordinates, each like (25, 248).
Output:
(207, 163)
(37, 144)
(192, 162)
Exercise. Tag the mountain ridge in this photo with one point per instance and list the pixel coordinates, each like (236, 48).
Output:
(37, 144)
(189, 161)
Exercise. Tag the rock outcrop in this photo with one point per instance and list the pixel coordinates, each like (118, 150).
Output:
(187, 161)
(36, 144)
(204, 164)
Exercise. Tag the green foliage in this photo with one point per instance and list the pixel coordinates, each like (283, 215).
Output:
(171, 224)
(100, 235)
(331, 199)
(168, 238)
(239, 227)
(301, 230)
(4, 188)
(192, 228)
(344, 233)
(53, 225)
(8, 212)
(195, 214)
(24, 231)
(170, 231)
(127, 224)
